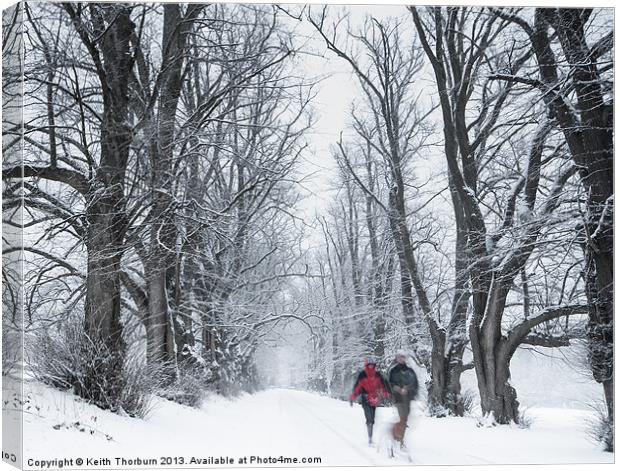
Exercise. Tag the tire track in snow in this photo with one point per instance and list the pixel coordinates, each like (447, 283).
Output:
(480, 459)
(352, 445)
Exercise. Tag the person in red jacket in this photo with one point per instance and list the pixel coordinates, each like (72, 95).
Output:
(370, 386)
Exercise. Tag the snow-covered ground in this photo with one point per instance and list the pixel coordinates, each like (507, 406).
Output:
(291, 424)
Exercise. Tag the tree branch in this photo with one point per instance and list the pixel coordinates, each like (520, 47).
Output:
(72, 178)
(540, 340)
(137, 294)
(516, 336)
(604, 45)
(47, 255)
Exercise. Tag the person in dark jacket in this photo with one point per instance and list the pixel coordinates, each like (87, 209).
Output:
(370, 385)
(404, 388)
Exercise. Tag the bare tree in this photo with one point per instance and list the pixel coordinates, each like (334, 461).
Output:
(580, 101)
(104, 32)
(459, 61)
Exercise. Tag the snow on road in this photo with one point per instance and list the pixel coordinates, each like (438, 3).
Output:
(291, 424)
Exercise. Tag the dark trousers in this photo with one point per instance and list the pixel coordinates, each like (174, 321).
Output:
(369, 412)
(403, 408)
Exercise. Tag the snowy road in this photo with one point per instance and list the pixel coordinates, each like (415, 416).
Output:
(293, 424)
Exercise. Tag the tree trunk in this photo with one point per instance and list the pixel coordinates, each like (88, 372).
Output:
(437, 384)
(400, 234)
(160, 331)
(105, 213)
(498, 397)
(599, 329)
(456, 340)
(492, 358)
(454, 400)
(381, 277)
(161, 339)
(103, 349)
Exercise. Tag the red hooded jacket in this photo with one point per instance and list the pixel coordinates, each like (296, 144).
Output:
(370, 383)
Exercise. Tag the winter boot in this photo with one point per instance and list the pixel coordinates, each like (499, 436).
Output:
(369, 427)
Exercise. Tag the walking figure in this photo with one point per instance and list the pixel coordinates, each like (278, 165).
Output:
(369, 385)
(404, 388)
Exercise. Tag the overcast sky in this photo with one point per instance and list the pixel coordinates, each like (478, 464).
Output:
(332, 105)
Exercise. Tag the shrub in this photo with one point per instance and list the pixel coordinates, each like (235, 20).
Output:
(600, 428)
(469, 401)
(64, 357)
(525, 418)
(191, 386)
(140, 385)
(54, 356)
